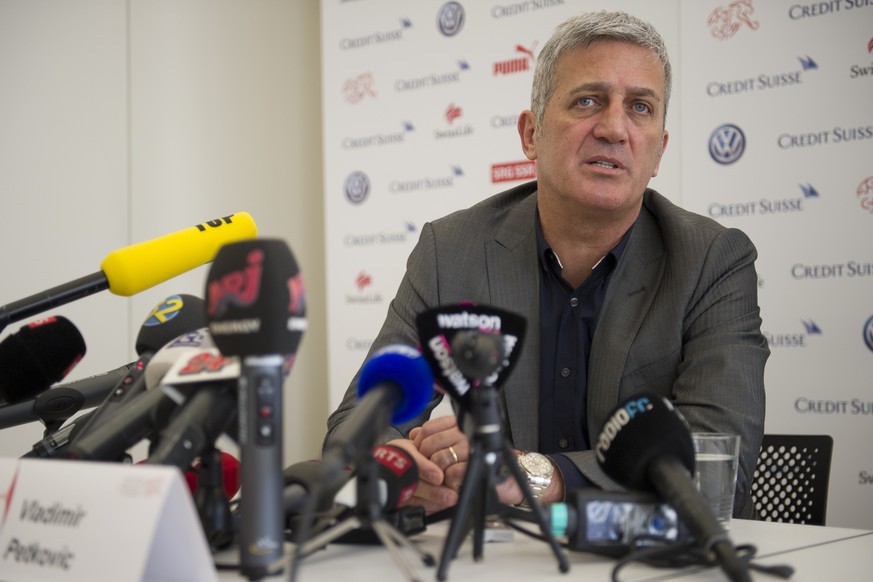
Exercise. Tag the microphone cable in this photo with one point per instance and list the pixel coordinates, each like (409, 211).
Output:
(657, 553)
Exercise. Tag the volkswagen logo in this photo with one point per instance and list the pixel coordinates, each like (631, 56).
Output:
(727, 144)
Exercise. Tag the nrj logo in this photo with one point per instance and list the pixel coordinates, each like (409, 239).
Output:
(724, 22)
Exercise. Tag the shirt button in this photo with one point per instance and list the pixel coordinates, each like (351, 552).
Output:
(563, 443)
(565, 372)
(574, 302)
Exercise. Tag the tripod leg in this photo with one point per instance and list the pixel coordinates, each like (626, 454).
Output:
(329, 535)
(535, 506)
(382, 531)
(460, 524)
(404, 542)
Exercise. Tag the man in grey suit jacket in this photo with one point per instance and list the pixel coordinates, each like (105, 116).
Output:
(678, 312)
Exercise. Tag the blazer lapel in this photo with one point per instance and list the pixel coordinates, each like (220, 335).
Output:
(630, 294)
(512, 265)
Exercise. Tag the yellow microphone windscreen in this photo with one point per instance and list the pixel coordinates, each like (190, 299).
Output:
(137, 267)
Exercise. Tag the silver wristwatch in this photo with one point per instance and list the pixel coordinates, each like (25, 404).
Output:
(539, 470)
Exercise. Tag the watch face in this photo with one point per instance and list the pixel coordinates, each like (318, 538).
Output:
(536, 464)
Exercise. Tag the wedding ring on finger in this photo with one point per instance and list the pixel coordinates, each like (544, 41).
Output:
(455, 458)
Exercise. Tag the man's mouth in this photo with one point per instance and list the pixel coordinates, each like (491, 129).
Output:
(602, 164)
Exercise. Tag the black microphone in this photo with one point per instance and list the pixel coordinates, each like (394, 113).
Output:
(256, 310)
(172, 317)
(64, 400)
(147, 412)
(646, 445)
(38, 355)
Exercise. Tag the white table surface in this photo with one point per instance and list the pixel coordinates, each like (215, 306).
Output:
(817, 554)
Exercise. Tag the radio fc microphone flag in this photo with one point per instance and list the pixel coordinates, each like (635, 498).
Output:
(135, 268)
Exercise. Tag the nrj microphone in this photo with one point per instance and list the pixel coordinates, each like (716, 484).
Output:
(256, 308)
(137, 267)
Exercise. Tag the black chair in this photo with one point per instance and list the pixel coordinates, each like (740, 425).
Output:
(791, 478)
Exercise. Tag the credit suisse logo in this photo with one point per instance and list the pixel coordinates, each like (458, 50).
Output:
(375, 38)
(727, 144)
(795, 339)
(765, 206)
(725, 21)
(762, 81)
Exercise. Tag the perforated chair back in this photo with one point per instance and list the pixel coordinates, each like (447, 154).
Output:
(791, 478)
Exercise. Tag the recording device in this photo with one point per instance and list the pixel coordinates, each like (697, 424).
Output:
(256, 310)
(137, 267)
(38, 355)
(646, 445)
(615, 523)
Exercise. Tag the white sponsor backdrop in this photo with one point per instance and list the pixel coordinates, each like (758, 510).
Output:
(416, 118)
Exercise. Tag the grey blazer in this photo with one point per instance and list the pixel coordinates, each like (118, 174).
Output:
(680, 318)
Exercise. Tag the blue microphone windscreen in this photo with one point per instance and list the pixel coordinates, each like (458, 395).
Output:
(407, 369)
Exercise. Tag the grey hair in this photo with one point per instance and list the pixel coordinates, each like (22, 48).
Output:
(582, 30)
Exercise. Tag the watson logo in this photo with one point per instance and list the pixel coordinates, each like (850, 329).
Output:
(357, 187)
(727, 144)
(865, 194)
(868, 333)
(450, 18)
(725, 21)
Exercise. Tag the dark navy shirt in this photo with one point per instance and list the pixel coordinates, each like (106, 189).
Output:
(568, 319)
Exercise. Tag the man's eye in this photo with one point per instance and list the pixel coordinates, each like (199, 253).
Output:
(642, 108)
(585, 101)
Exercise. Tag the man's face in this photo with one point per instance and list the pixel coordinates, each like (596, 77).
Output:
(602, 132)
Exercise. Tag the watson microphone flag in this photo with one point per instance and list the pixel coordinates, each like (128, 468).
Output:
(138, 267)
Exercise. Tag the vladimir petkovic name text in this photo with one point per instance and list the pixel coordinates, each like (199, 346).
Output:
(34, 553)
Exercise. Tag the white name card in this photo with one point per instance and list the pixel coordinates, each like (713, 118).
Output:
(77, 520)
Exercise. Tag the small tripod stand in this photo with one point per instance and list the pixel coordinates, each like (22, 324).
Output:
(368, 515)
(481, 479)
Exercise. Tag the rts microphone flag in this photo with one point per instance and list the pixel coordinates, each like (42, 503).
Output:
(137, 267)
